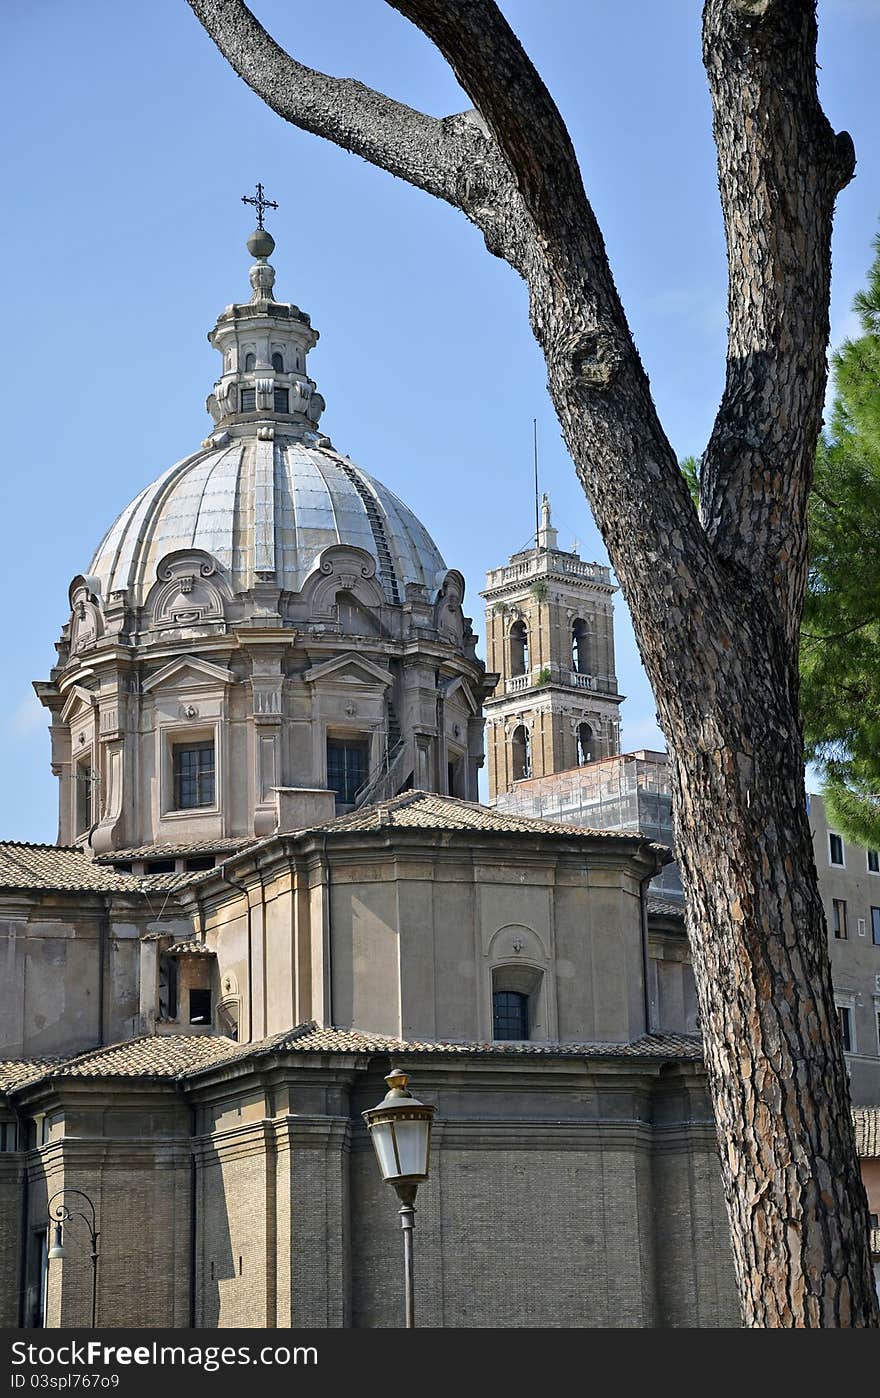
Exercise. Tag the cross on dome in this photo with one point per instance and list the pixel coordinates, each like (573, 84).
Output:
(261, 203)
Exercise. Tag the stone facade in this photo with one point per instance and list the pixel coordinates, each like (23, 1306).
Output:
(266, 1208)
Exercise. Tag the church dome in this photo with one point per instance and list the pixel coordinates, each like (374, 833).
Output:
(266, 635)
(267, 492)
(266, 508)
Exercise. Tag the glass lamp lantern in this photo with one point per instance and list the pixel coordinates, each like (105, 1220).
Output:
(400, 1129)
(56, 1251)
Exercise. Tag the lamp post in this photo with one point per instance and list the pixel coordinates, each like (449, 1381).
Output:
(60, 1215)
(400, 1129)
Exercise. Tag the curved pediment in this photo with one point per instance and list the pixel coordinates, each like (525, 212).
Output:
(189, 591)
(342, 568)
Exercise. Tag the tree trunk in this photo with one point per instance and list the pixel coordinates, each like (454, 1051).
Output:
(715, 602)
(723, 667)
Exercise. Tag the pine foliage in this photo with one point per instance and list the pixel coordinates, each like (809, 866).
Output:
(840, 635)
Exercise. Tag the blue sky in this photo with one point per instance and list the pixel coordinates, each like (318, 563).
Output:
(128, 145)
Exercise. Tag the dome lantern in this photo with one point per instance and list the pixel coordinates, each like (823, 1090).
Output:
(264, 346)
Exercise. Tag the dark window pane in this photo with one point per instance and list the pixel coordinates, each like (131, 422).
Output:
(835, 845)
(194, 776)
(874, 861)
(510, 1015)
(248, 400)
(838, 917)
(875, 926)
(346, 768)
(278, 363)
(83, 797)
(845, 1028)
(200, 1007)
(282, 400)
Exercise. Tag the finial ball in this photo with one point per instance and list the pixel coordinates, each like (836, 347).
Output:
(261, 243)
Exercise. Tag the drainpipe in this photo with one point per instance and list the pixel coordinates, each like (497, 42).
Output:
(103, 941)
(23, 1317)
(643, 910)
(192, 1219)
(240, 887)
(263, 956)
(329, 942)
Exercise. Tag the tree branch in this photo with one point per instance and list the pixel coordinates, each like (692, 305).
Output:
(518, 179)
(760, 58)
(453, 158)
(479, 44)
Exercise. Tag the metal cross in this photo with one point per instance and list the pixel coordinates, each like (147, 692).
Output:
(261, 203)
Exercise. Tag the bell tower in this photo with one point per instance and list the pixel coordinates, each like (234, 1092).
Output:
(550, 637)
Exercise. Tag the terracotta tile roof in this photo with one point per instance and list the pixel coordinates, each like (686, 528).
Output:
(311, 1038)
(866, 1121)
(15, 1072)
(664, 907)
(152, 1056)
(180, 1056)
(176, 849)
(423, 810)
(60, 867)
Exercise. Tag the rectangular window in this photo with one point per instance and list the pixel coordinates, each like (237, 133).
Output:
(875, 926)
(38, 1273)
(844, 1016)
(248, 400)
(838, 918)
(510, 1015)
(193, 776)
(7, 1135)
(346, 768)
(873, 861)
(835, 849)
(200, 1007)
(877, 1017)
(83, 796)
(282, 400)
(168, 987)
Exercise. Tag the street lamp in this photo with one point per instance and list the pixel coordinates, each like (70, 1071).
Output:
(400, 1129)
(60, 1215)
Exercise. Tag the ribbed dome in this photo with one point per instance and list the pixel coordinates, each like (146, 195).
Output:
(265, 508)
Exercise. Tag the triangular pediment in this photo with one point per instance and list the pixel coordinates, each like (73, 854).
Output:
(77, 699)
(351, 668)
(188, 670)
(460, 685)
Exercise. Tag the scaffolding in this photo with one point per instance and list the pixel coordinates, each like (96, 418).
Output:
(629, 792)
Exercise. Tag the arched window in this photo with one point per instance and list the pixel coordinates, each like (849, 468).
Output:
(584, 744)
(278, 363)
(250, 362)
(580, 647)
(519, 648)
(521, 745)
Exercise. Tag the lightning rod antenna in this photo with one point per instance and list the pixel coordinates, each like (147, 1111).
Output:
(537, 507)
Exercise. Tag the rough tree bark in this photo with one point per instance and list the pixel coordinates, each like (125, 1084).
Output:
(715, 599)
